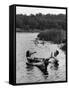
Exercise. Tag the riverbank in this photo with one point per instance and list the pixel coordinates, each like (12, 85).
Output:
(56, 36)
(53, 35)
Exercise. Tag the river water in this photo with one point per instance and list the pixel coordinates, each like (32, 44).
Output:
(24, 42)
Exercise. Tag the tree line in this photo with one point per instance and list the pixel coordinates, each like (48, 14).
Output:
(40, 21)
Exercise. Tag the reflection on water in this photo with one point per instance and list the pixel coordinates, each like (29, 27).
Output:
(30, 74)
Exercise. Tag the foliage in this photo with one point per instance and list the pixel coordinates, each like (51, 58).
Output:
(40, 22)
(56, 36)
(64, 47)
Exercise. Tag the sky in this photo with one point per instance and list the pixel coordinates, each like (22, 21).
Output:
(33, 10)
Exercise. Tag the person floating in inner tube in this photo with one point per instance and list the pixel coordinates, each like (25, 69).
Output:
(46, 61)
(28, 53)
(28, 56)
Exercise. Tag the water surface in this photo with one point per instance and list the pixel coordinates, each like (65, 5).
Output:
(24, 42)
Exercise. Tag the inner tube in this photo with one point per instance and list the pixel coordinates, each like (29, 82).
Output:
(35, 64)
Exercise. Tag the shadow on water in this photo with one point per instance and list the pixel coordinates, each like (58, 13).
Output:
(43, 68)
(29, 68)
(44, 71)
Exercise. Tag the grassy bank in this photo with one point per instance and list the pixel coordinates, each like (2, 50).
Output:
(56, 36)
(28, 31)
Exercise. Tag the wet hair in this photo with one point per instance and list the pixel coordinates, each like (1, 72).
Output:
(27, 53)
(56, 53)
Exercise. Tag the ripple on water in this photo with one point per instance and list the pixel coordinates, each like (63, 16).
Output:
(34, 74)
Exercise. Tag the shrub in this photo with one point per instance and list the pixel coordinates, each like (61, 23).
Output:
(56, 36)
(64, 48)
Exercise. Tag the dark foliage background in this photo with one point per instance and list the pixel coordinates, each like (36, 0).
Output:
(40, 22)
